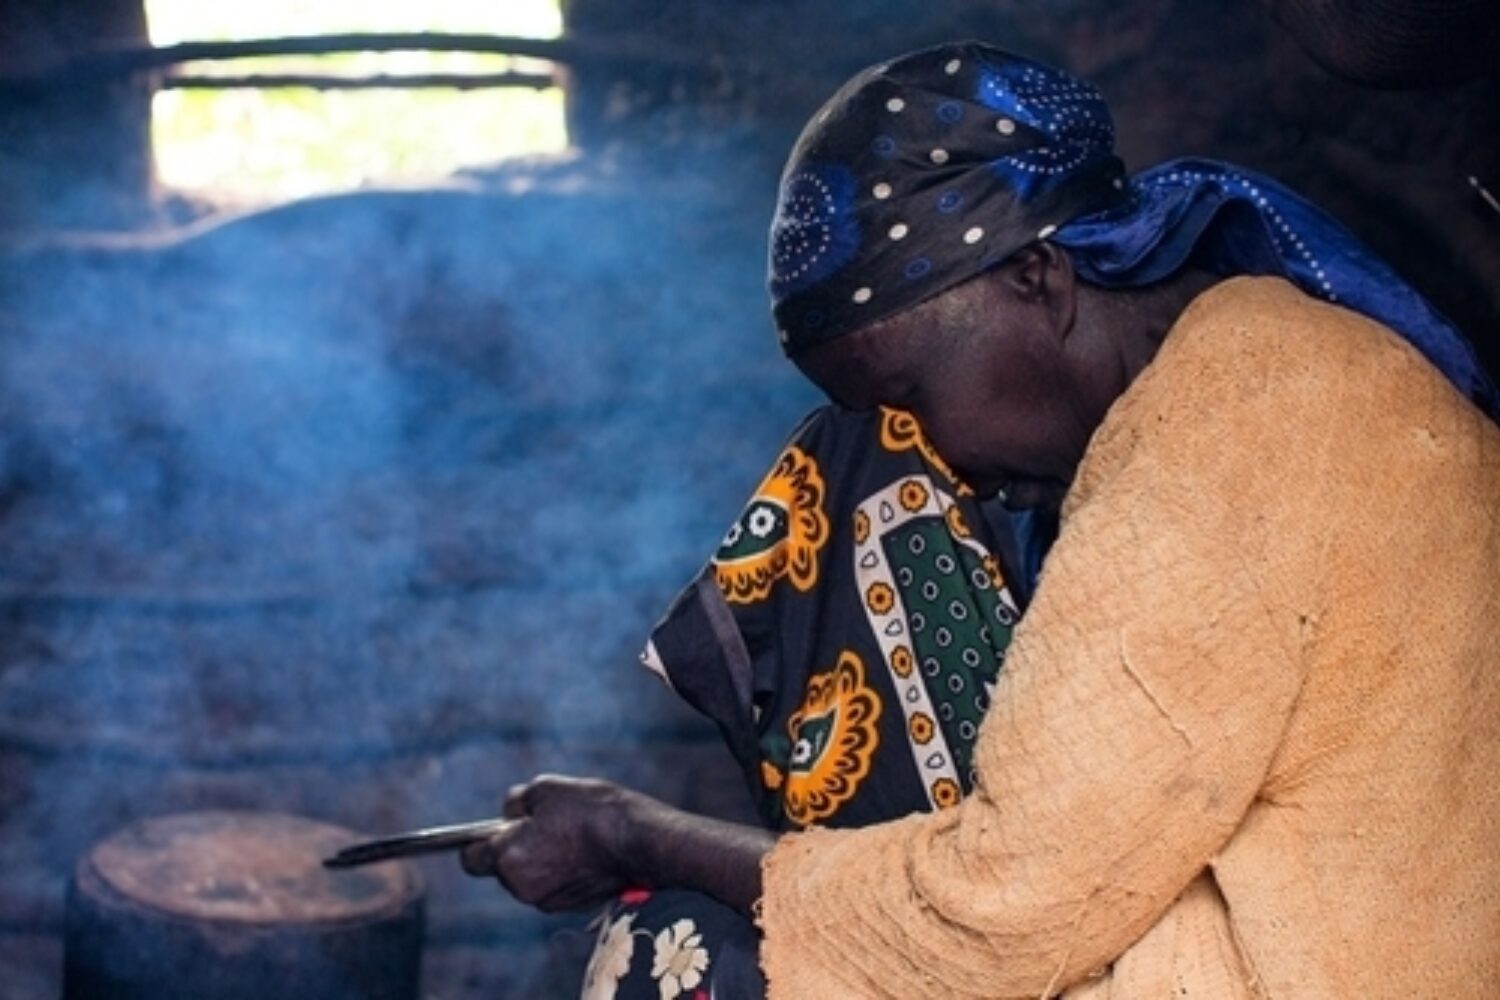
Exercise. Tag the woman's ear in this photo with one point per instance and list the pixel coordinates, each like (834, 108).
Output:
(1041, 274)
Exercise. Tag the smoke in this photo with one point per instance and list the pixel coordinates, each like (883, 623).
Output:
(361, 507)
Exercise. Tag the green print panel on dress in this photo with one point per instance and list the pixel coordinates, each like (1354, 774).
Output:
(943, 618)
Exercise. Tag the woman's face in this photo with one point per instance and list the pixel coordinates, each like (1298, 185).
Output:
(987, 375)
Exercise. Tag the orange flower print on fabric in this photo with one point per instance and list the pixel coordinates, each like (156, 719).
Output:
(921, 727)
(834, 735)
(946, 793)
(780, 533)
(861, 527)
(880, 598)
(957, 526)
(902, 661)
(899, 431)
(913, 495)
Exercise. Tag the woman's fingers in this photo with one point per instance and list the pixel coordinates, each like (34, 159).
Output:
(478, 858)
(540, 863)
(516, 805)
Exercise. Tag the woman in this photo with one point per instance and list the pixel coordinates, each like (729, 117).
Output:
(1222, 734)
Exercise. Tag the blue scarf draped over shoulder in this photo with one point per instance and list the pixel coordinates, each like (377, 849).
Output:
(1241, 222)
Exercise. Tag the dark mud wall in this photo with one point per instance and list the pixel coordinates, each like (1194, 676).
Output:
(73, 151)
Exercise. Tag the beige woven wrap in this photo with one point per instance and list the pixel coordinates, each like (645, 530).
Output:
(1247, 743)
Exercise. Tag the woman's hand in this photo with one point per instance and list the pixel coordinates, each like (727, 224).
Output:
(577, 842)
(567, 847)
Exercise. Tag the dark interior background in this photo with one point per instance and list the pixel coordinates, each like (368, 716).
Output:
(361, 507)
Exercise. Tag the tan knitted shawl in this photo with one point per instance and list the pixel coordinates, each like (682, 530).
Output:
(1247, 743)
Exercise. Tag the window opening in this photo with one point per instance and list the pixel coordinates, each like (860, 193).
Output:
(254, 144)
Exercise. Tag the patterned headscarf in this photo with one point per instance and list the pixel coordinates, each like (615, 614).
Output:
(925, 171)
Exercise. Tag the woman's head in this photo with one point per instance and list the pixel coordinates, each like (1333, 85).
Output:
(992, 370)
(909, 266)
(923, 172)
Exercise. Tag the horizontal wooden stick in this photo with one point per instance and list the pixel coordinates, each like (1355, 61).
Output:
(105, 63)
(308, 81)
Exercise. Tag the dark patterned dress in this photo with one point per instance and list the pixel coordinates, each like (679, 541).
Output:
(844, 638)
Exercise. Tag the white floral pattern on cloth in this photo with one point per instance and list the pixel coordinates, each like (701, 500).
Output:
(677, 944)
(680, 960)
(610, 961)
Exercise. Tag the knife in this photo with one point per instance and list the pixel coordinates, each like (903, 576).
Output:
(427, 841)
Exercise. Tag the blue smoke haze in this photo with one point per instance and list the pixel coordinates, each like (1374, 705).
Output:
(361, 507)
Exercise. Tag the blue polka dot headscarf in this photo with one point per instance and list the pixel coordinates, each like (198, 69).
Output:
(925, 171)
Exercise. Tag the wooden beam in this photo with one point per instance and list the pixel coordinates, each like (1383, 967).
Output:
(114, 62)
(308, 81)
